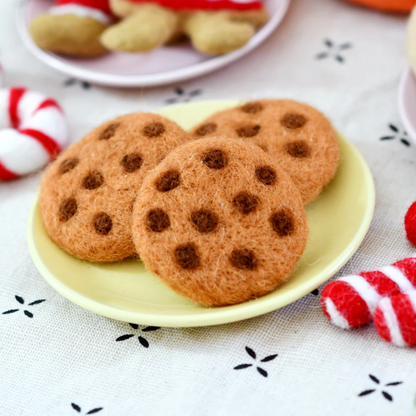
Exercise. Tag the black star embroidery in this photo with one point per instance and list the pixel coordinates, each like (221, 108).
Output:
(315, 292)
(22, 302)
(91, 412)
(385, 394)
(253, 355)
(143, 341)
(397, 134)
(182, 96)
(334, 51)
(72, 81)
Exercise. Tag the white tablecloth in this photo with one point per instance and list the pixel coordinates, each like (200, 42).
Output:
(66, 360)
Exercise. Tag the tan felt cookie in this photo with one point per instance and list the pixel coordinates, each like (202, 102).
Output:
(68, 34)
(220, 222)
(299, 137)
(87, 194)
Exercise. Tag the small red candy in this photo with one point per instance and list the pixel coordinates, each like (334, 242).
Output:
(410, 223)
(350, 301)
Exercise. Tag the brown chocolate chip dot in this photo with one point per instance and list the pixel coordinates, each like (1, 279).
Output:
(299, 149)
(103, 223)
(109, 132)
(168, 181)
(206, 129)
(243, 259)
(248, 131)
(266, 175)
(246, 202)
(157, 220)
(264, 148)
(215, 159)
(283, 222)
(68, 209)
(67, 165)
(186, 255)
(293, 121)
(132, 162)
(204, 221)
(93, 181)
(154, 129)
(252, 108)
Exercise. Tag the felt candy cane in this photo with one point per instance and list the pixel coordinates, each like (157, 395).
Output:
(96, 9)
(351, 301)
(33, 130)
(395, 319)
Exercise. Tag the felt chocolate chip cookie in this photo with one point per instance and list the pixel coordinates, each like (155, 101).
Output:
(220, 222)
(296, 135)
(87, 194)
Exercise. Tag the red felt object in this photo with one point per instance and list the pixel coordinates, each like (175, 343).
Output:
(37, 132)
(395, 319)
(351, 301)
(206, 4)
(102, 5)
(410, 223)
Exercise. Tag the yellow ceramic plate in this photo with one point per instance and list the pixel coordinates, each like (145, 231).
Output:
(338, 221)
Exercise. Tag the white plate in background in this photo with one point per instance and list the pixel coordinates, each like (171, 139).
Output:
(407, 102)
(164, 65)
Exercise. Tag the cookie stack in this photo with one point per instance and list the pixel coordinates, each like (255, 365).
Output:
(217, 214)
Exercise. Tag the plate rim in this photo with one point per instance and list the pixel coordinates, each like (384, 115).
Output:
(222, 315)
(404, 80)
(148, 80)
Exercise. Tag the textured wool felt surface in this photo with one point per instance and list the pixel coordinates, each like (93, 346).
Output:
(33, 131)
(101, 5)
(206, 4)
(230, 227)
(410, 223)
(68, 34)
(351, 301)
(395, 319)
(222, 32)
(147, 29)
(101, 175)
(299, 137)
(148, 25)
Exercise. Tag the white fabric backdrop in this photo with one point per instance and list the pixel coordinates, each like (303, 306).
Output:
(66, 355)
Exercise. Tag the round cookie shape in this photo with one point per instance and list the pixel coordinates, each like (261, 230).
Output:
(87, 194)
(299, 137)
(232, 229)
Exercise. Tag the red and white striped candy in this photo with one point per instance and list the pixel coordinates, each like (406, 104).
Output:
(351, 301)
(395, 319)
(33, 130)
(96, 9)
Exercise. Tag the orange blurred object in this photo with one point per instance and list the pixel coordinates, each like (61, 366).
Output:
(400, 6)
